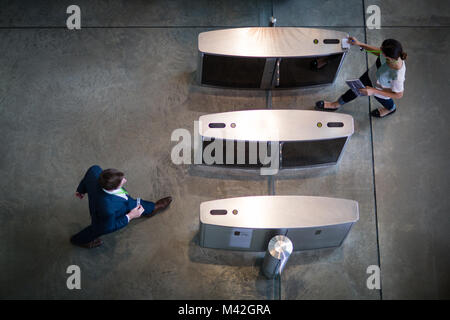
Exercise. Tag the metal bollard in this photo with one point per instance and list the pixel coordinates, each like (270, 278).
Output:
(277, 254)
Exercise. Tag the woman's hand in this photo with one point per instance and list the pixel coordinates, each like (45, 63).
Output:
(367, 91)
(353, 41)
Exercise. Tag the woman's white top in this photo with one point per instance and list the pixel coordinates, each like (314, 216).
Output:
(387, 78)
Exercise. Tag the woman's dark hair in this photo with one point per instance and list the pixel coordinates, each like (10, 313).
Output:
(110, 179)
(393, 49)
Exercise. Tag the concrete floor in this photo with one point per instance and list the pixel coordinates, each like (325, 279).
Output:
(112, 93)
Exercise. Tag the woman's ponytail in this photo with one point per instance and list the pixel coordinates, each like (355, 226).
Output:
(403, 55)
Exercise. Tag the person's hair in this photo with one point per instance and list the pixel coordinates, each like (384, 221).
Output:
(393, 49)
(110, 179)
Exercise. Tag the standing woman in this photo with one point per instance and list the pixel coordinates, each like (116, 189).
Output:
(384, 80)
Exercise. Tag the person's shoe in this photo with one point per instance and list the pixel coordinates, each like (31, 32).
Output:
(320, 105)
(94, 243)
(160, 205)
(376, 113)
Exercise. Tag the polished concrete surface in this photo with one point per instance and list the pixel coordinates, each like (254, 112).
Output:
(112, 93)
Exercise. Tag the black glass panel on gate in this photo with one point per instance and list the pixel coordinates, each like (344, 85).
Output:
(237, 154)
(235, 72)
(308, 71)
(310, 153)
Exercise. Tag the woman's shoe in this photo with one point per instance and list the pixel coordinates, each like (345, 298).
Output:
(320, 105)
(376, 113)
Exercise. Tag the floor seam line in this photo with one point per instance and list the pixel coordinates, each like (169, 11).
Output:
(373, 161)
